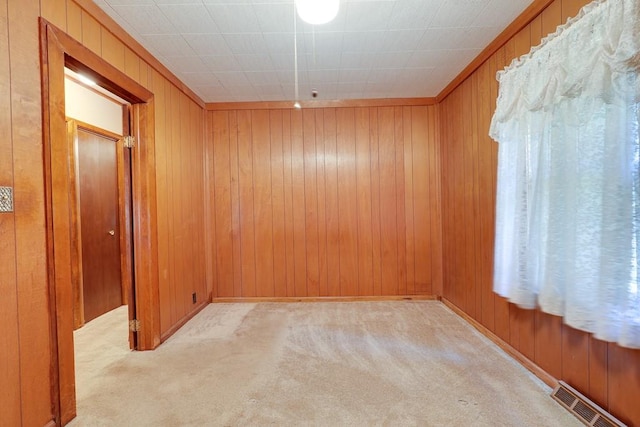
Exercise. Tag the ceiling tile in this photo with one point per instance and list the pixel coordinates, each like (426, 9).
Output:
(167, 44)
(189, 18)
(243, 50)
(458, 13)
(368, 16)
(413, 14)
(246, 43)
(221, 62)
(186, 64)
(275, 18)
(234, 18)
(146, 18)
(208, 44)
(228, 79)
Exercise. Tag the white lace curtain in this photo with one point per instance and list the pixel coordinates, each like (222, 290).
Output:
(568, 196)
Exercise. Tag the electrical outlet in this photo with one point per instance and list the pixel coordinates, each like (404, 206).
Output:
(194, 298)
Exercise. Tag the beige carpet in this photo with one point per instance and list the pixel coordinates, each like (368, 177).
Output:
(401, 363)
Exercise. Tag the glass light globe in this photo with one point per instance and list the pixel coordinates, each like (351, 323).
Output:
(316, 12)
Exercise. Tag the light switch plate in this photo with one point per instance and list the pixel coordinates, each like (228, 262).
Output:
(6, 199)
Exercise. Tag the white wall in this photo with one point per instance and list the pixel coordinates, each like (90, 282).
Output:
(88, 106)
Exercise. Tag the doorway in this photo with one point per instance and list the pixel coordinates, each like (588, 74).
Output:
(100, 168)
(58, 51)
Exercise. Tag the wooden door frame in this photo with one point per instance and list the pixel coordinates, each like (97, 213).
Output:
(58, 50)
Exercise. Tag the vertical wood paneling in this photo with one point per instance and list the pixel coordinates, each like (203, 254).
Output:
(408, 200)
(597, 371)
(222, 203)
(363, 179)
(261, 142)
(187, 220)
(435, 214)
(164, 278)
(288, 204)
(575, 358)
(247, 219)
(311, 202)
(331, 207)
(91, 33)
(606, 373)
(277, 203)
(173, 175)
(113, 50)
(388, 215)
(10, 410)
(54, 11)
(323, 264)
(375, 201)
(298, 209)
(401, 228)
(347, 201)
(421, 178)
(236, 232)
(29, 213)
(74, 20)
(132, 66)
(327, 201)
(624, 384)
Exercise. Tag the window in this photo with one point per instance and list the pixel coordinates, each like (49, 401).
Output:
(568, 200)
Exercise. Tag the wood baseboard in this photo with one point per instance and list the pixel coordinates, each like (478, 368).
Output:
(326, 299)
(181, 323)
(522, 359)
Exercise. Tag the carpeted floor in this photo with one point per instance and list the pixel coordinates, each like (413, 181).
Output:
(400, 363)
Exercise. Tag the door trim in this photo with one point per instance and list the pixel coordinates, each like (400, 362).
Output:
(57, 51)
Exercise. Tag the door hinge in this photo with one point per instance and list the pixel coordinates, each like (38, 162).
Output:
(134, 325)
(129, 141)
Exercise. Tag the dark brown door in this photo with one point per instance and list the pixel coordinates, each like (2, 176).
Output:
(99, 223)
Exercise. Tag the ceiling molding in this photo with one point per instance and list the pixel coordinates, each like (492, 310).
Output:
(345, 103)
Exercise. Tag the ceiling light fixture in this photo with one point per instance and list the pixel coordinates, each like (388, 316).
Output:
(317, 12)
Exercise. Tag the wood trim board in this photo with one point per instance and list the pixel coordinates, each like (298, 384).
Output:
(345, 103)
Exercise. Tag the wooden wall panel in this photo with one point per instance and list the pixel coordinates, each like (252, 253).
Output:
(262, 184)
(604, 372)
(332, 201)
(29, 220)
(112, 49)
(363, 179)
(278, 204)
(10, 412)
(311, 202)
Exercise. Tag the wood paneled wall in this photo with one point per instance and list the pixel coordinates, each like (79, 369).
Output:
(325, 201)
(608, 374)
(24, 317)
(25, 357)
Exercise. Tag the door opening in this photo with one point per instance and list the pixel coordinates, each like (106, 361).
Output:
(100, 171)
(59, 50)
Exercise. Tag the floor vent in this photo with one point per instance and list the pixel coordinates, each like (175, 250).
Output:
(584, 409)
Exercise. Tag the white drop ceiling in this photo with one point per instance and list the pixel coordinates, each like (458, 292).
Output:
(243, 50)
